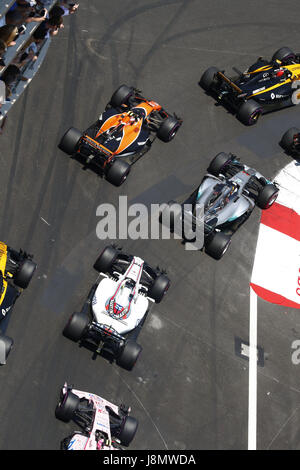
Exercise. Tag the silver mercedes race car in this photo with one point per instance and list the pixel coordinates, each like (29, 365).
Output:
(117, 306)
(221, 203)
(103, 425)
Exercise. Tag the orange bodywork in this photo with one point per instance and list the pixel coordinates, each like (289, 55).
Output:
(131, 127)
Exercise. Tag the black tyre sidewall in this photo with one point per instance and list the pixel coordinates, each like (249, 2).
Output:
(65, 410)
(249, 112)
(217, 245)
(25, 273)
(129, 355)
(287, 140)
(168, 129)
(117, 172)
(265, 198)
(207, 79)
(76, 326)
(159, 288)
(283, 54)
(128, 430)
(70, 141)
(218, 163)
(107, 258)
(121, 96)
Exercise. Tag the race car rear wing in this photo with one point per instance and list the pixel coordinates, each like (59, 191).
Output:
(230, 82)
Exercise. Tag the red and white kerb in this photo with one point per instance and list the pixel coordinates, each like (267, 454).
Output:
(276, 269)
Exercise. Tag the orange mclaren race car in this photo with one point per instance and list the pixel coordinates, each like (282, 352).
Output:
(265, 86)
(122, 134)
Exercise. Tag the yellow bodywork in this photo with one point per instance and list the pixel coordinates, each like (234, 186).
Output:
(3, 259)
(294, 69)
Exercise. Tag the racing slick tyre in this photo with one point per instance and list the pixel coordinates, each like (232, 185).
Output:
(76, 326)
(24, 274)
(128, 430)
(107, 258)
(118, 172)
(159, 288)
(168, 129)
(6, 344)
(249, 112)
(283, 54)
(267, 196)
(121, 96)
(218, 163)
(208, 79)
(67, 406)
(70, 141)
(170, 216)
(288, 139)
(129, 355)
(217, 246)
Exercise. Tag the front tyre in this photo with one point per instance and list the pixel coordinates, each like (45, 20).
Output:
(128, 430)
(121, 96)
(288, 139)
(24, 274)
(267, 196)
(67, 406)
(249, 112)
(168, 129)
(218, 163)
(284, 54)
(106, 260)
(159, 288)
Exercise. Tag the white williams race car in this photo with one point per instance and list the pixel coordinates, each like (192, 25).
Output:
(103, 425)
(117, 306)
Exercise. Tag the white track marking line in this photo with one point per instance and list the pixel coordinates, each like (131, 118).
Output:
(252, 392)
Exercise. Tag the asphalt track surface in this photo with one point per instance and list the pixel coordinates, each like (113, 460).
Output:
(189, 388)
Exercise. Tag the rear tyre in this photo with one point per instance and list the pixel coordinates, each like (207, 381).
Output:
(66, 408)
(69, 142)
(121, 96)
(159, 288)
(249, 112)
(25, 273)
(217, 246)
(267, 196)
(283, 54)
(128, 430)
(287, 140)
(129, 355)
(118, 172)
(168, 129)
(76, 326)
(208, 79)
(218, 163)
(6, 344)
(106, 260)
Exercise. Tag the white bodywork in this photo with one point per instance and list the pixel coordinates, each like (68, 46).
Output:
(101, 423)
(118, 305)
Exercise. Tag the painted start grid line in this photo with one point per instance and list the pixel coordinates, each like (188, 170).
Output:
(276, 270)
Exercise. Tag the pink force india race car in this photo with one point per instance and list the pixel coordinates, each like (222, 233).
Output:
(103, 425)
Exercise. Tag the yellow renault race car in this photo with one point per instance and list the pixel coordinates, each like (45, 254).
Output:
(16, 271)
(265, 86)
